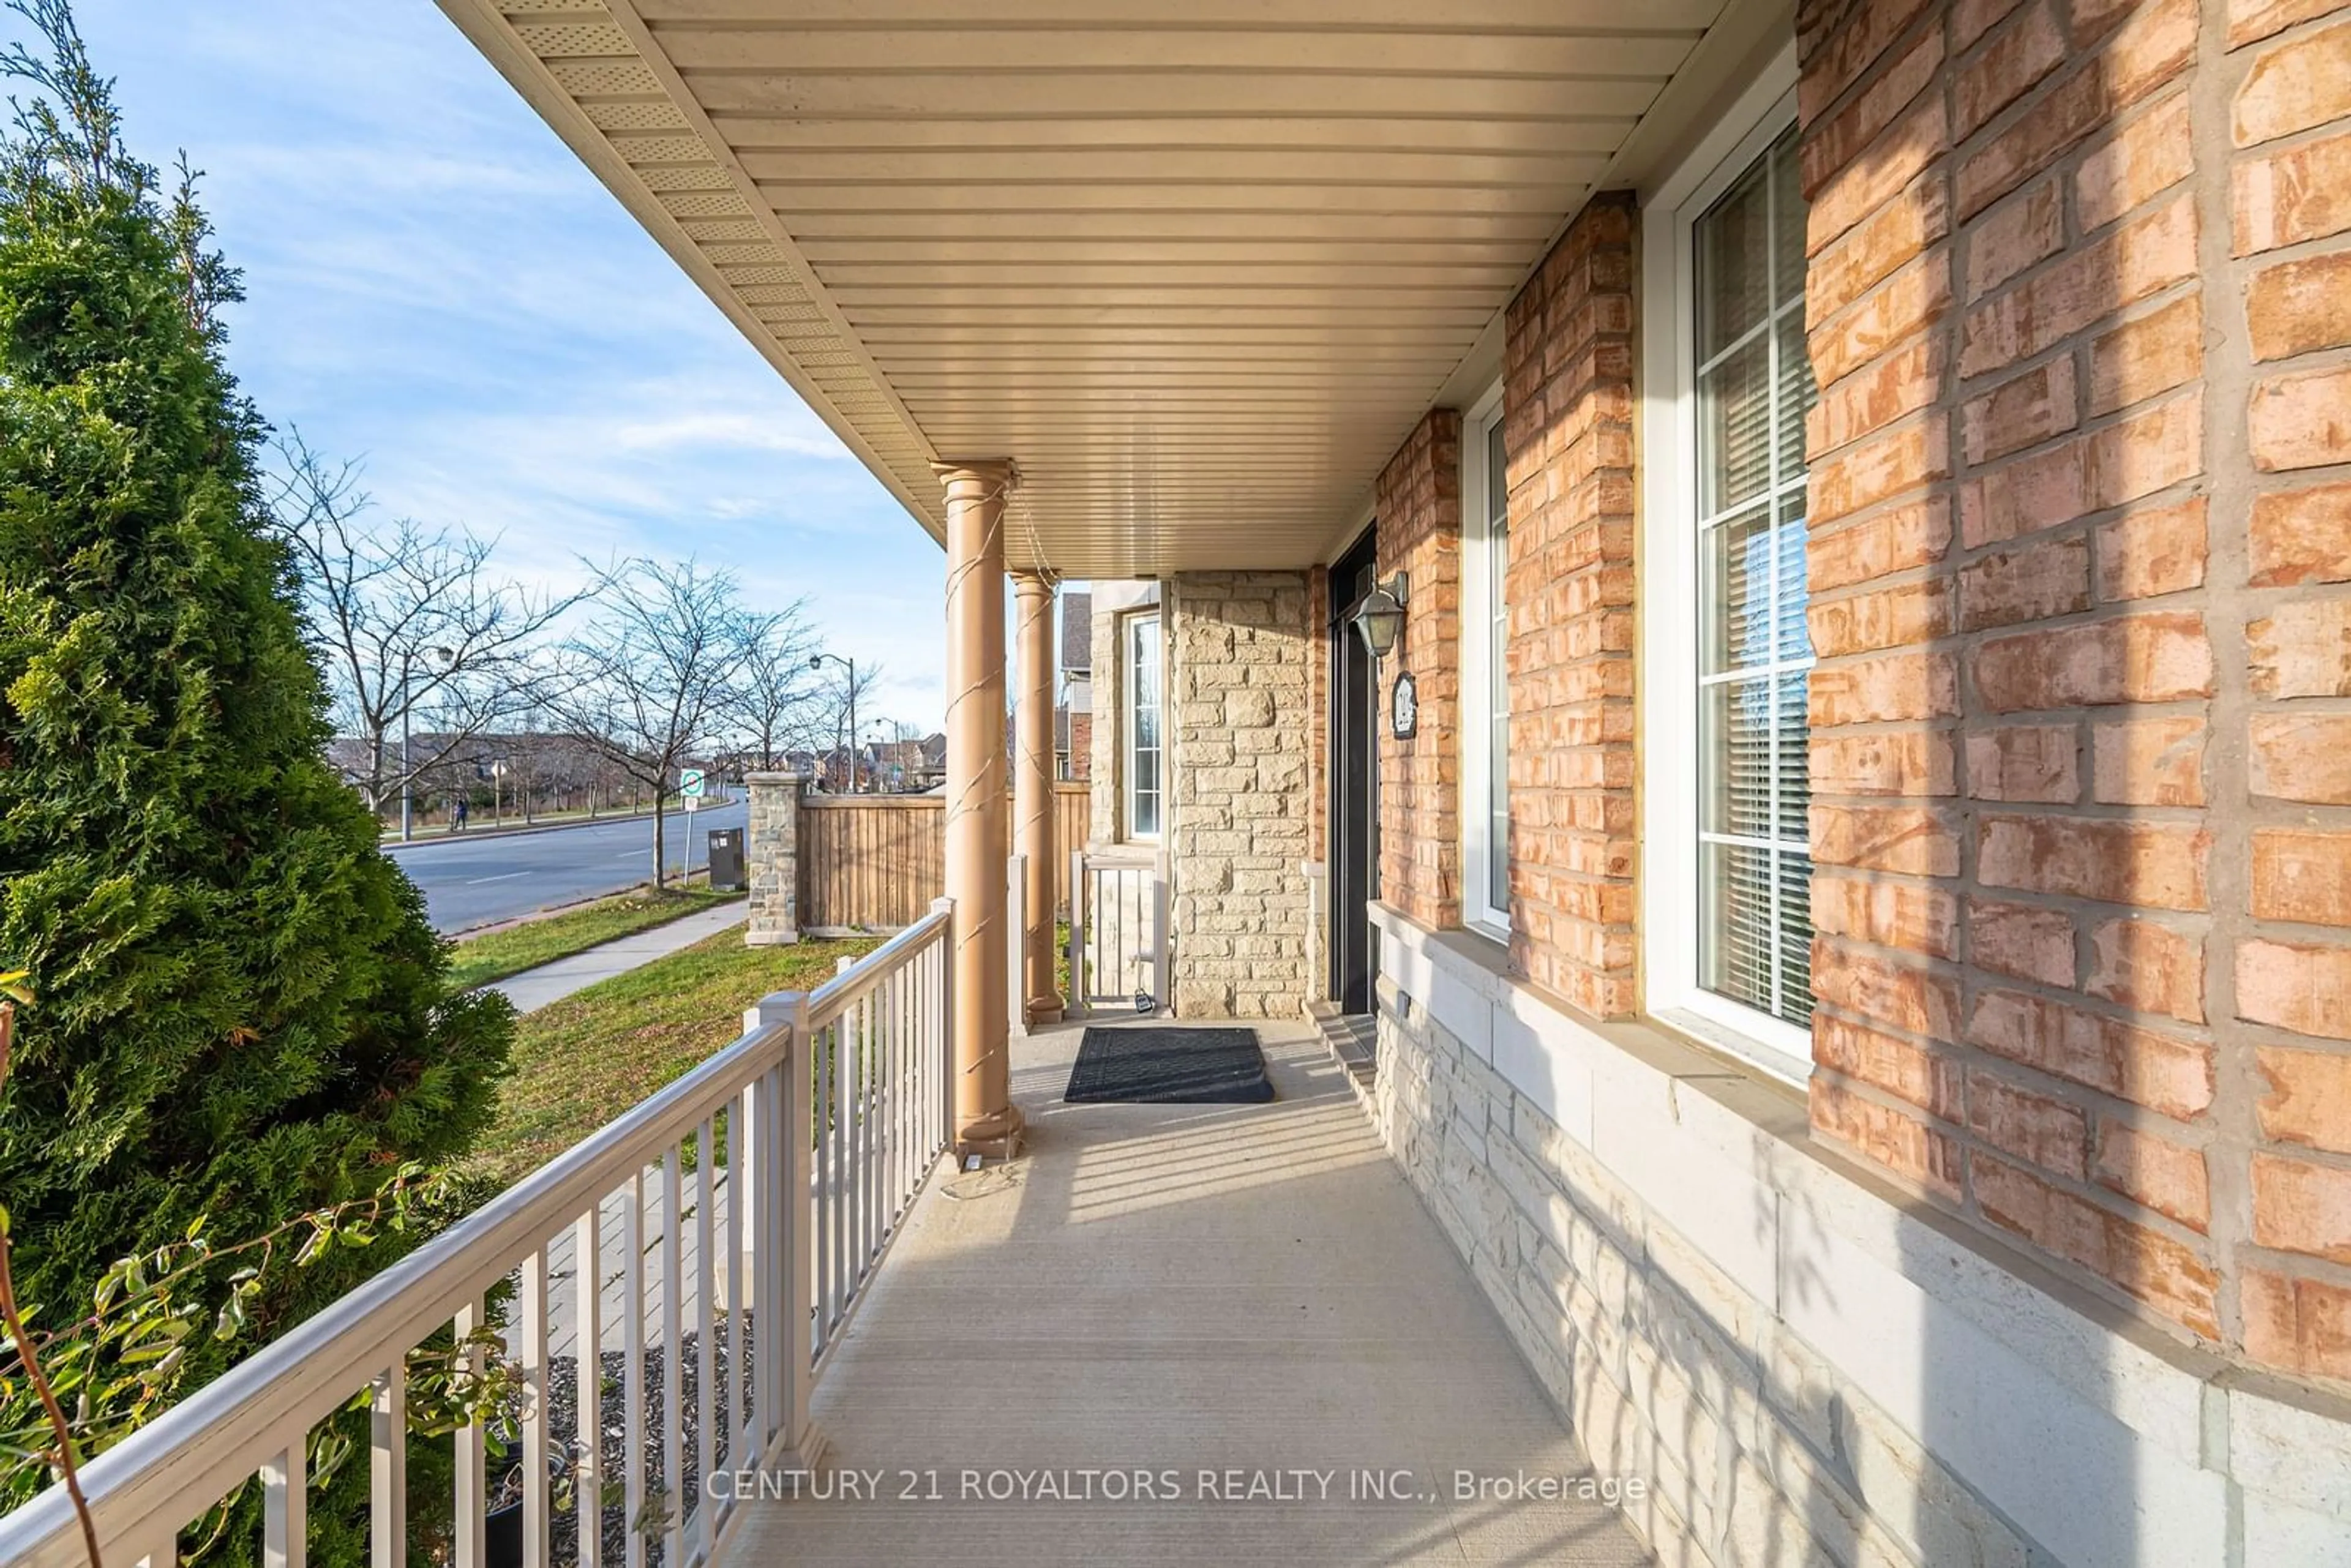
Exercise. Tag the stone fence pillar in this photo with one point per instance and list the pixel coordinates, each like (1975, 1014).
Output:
(771, 858)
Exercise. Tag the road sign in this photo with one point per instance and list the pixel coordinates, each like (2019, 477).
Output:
(690, 783)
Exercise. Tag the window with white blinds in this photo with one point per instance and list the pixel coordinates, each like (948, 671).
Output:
(1752, 385)
(1485, 675)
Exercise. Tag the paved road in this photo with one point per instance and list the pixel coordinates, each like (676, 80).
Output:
(470, 882)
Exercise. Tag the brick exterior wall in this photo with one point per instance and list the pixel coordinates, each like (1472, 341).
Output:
(1238, 654)
(1567, 405)
(2287, 247)
(1419, 521)
(2075, 811)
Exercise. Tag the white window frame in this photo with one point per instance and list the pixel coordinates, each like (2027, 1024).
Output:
(1127, 726)
(1483, 581)
(1670, 767)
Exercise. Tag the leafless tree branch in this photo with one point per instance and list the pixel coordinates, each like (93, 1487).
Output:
(645, 682)
(415, 633)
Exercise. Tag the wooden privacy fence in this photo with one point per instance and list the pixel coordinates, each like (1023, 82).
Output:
(874, 863)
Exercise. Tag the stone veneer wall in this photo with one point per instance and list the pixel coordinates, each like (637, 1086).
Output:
(1800, 1365)
(1318, 782)
(2078, 298)
(1239, 651)
(771, 858)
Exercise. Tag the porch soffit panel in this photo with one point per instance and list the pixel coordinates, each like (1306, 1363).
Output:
(1197, 267)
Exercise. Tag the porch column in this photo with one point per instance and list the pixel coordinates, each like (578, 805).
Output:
(1033, 807)
(978, 846)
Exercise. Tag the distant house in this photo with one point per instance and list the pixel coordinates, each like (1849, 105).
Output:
(900, 766)
(1073, 718)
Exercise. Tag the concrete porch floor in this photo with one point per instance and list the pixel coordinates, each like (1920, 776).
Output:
(1184, 1289)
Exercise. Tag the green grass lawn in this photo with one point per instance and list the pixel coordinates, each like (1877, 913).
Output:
(584, 1060)
(480, 960)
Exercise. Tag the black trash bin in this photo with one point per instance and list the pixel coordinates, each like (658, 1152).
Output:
(727, 857)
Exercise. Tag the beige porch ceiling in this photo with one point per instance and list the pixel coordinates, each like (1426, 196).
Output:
(1197, 266)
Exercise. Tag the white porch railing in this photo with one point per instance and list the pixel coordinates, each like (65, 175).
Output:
(859, 1069)
(1118, 931)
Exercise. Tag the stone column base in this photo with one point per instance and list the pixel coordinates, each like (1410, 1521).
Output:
(995, 1137)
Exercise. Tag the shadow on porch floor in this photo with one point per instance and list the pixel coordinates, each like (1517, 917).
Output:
(1179, 1290)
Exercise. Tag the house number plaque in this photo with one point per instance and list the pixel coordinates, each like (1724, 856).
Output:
(1404, 708)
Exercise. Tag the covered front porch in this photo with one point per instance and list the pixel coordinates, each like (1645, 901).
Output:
(1183, 1333)
(1159, 1332)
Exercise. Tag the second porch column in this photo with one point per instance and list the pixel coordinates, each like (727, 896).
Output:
(1033, 807)
(978, 849)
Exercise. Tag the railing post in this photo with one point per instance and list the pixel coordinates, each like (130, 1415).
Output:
(943, 1047)
(388, 1467)
(285, 1496)
(1160, 968)
(784, 1133)
(470, 1546)
(1077, 988)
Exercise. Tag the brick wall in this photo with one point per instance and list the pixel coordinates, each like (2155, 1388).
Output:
(1419, 512)
(2286, 252)
(1568, 438)
(1238, 655)
(2051, 850)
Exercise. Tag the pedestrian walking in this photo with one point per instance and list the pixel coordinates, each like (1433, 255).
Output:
(458, 823)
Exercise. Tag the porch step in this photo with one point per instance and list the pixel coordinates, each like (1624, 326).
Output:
(1353, 1045)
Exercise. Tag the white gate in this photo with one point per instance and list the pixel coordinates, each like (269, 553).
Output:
(1118, 932)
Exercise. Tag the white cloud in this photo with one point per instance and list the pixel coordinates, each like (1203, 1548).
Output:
(438, 285)
(750, 431)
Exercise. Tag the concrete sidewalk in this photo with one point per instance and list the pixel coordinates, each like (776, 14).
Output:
(535, 988)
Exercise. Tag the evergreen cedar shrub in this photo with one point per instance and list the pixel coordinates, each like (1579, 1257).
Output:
(241, 1011)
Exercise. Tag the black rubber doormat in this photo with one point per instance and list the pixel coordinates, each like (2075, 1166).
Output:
(1169, 1067)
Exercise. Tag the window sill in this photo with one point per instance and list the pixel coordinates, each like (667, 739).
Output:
(1743, 1048)
(1480, 962)
(1722, 1152)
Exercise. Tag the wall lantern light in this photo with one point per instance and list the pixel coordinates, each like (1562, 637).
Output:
(1379, 618)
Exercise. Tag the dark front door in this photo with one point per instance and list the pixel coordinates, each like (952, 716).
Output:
(1354, 865)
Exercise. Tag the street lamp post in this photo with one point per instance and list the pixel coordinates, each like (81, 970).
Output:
(816, 661)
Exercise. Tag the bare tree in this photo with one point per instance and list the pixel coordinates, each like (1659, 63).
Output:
(645, 682)
(424, 650)
(772, 694)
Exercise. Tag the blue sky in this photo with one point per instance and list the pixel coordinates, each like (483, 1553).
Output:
(436, 286)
